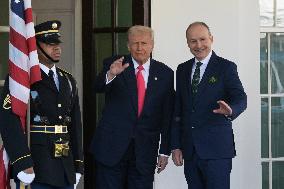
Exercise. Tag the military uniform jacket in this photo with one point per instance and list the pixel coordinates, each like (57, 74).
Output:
(48, 106)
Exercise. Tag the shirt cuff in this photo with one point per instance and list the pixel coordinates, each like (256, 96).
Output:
(164, 155)
(228, 117)
(108, 81)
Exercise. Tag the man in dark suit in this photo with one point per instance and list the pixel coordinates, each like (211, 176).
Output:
(54, 157)
(139, 101)
(209, 96)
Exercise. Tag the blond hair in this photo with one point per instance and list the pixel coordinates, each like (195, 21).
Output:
(139, 29)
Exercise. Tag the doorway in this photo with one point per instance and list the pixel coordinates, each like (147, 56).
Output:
(104, 26)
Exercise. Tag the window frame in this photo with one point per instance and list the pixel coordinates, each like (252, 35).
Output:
(269, 95)
(3, 29)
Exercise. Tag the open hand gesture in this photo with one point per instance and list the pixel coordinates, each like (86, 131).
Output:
(116, 68)
(224, 108)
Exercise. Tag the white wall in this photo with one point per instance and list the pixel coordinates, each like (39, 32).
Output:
(235, 27)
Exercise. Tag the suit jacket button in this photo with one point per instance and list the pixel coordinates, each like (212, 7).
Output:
(192, 110)
(192, 127)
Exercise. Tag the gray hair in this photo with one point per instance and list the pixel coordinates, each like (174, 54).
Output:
(198, 23)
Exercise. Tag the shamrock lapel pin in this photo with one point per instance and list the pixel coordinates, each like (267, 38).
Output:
(212, 80)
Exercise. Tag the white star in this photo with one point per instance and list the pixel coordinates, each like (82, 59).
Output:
(17, 1)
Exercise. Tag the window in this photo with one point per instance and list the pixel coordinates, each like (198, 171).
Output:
(112, 18)
(272, 93)
(4, 41)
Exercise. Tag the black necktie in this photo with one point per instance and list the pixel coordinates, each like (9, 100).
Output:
(50, 75)
(196, 78)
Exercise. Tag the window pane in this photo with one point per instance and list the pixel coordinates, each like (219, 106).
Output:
(280, 13)
(4, 13)
(264, 128)
(265, 175)
(124, 13)
(4, 50)
(102, 11)
(103, 49)
(122, 43)
(266, 12)
(263, 64)
(278, 175)
(277, 63)
(277, 126)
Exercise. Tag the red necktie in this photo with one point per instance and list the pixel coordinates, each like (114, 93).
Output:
(140, 88)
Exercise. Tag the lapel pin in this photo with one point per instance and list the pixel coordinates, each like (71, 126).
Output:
(156, 78)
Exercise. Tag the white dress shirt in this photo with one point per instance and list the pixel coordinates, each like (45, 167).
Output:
(204, 62)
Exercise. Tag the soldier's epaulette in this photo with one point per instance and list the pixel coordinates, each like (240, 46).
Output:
(71, 80)
(65, 72)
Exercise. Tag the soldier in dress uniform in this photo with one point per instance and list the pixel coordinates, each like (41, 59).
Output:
(54, 159)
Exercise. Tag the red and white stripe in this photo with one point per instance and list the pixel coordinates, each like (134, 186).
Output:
(24, 67)
(4, 160)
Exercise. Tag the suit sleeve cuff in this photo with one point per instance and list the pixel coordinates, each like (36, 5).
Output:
(79, 165)
(21, 164)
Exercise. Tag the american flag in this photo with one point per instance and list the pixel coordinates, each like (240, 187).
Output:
(24, 67)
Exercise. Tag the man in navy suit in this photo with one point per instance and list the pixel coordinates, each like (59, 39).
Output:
(209, 96)
(139, 99)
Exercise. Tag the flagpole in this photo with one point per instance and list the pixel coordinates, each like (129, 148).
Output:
(28, 128)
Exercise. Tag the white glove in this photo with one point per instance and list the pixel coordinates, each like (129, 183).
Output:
(78, 176)
(25, 178)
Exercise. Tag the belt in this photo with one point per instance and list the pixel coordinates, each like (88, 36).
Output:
(52, 129)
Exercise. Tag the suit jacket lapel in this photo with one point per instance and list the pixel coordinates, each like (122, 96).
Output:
(210, 69)
(130, 80)
(153, 80)
(187, 77)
